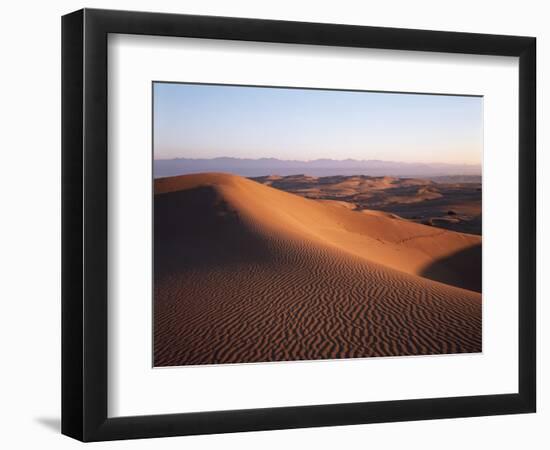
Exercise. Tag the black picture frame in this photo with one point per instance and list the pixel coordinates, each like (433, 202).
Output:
(84, 224)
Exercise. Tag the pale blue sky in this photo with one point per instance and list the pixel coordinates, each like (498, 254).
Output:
(208, 121)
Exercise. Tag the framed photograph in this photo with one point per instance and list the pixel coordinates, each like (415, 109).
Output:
(272, 224)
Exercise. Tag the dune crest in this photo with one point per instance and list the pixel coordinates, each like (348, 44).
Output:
(402, 245)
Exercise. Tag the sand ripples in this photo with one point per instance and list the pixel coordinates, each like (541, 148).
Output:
(236, 291)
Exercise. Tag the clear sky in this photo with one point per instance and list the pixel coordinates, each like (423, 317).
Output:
(208, 121)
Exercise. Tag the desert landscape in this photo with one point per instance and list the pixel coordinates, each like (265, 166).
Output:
(297, 268)
(314, 224)
(453, 203)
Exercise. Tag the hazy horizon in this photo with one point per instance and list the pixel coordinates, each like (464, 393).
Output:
(200, 121)
(336, 160)
(321, 167)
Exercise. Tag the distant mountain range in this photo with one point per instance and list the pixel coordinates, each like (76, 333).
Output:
(318, 167)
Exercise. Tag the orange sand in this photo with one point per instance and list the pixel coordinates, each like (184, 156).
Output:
(248, 273)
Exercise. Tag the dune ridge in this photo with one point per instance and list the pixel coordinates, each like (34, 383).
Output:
(248, 273)
(443, 203)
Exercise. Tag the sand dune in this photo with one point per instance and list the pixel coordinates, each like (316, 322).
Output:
(420, 200)
(247, 273)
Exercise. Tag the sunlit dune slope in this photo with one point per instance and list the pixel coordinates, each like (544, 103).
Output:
(248, 273)
(377, 237)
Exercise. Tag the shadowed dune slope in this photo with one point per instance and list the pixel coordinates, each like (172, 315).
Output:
(248, 273)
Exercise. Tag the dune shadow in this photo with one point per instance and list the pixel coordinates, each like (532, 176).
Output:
(196, 229)
(461, 269)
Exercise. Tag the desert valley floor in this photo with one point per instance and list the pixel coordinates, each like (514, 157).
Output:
(248, 271)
